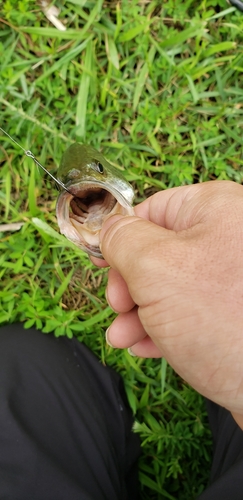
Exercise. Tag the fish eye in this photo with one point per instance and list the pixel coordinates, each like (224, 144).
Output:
(100, 167)
(96, 165)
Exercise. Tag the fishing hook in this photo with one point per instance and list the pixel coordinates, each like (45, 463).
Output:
(32, 156)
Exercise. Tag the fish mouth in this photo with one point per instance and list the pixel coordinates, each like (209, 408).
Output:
(82, 210)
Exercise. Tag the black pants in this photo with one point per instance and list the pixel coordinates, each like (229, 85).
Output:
(65, 427)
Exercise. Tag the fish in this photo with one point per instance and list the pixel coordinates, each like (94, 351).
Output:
(94, 191)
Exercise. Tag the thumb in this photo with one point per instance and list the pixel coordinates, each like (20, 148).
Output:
(135, 247)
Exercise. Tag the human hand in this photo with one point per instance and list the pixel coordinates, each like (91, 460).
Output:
(176, 280)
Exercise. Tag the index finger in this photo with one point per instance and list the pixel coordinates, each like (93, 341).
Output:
(98, 262)
(162, 207)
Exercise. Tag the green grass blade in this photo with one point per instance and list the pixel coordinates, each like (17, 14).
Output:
(32, 190)
(193, 89)
(163, 375)
(183, 36)
(132, 33)
(69, 34)
(96, 319)
(7, 178)
(140, 84)
(111, 51)
(71, 54)
(219, 47)
(46, 229)
(62, 288)
(83, 93)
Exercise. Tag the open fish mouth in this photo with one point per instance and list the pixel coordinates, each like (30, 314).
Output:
(82, 210)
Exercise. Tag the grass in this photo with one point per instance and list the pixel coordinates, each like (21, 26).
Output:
(157, 86)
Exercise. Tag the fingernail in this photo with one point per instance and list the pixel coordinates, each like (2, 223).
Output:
(107, 338)
(107, 299)
(130, 351)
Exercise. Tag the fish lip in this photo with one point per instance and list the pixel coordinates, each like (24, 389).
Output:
(62, 222)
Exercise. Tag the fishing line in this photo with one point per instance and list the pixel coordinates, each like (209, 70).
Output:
(238, 4)
(32, 156)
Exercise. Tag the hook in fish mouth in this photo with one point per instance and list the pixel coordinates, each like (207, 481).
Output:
(83, 209)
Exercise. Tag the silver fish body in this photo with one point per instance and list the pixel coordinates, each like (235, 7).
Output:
(95, 192)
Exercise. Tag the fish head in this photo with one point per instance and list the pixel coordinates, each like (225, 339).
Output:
(95, 191)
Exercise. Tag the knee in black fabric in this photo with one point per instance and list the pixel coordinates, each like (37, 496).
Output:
(58, 435)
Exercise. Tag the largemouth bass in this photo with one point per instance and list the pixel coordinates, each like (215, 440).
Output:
(94, 190)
